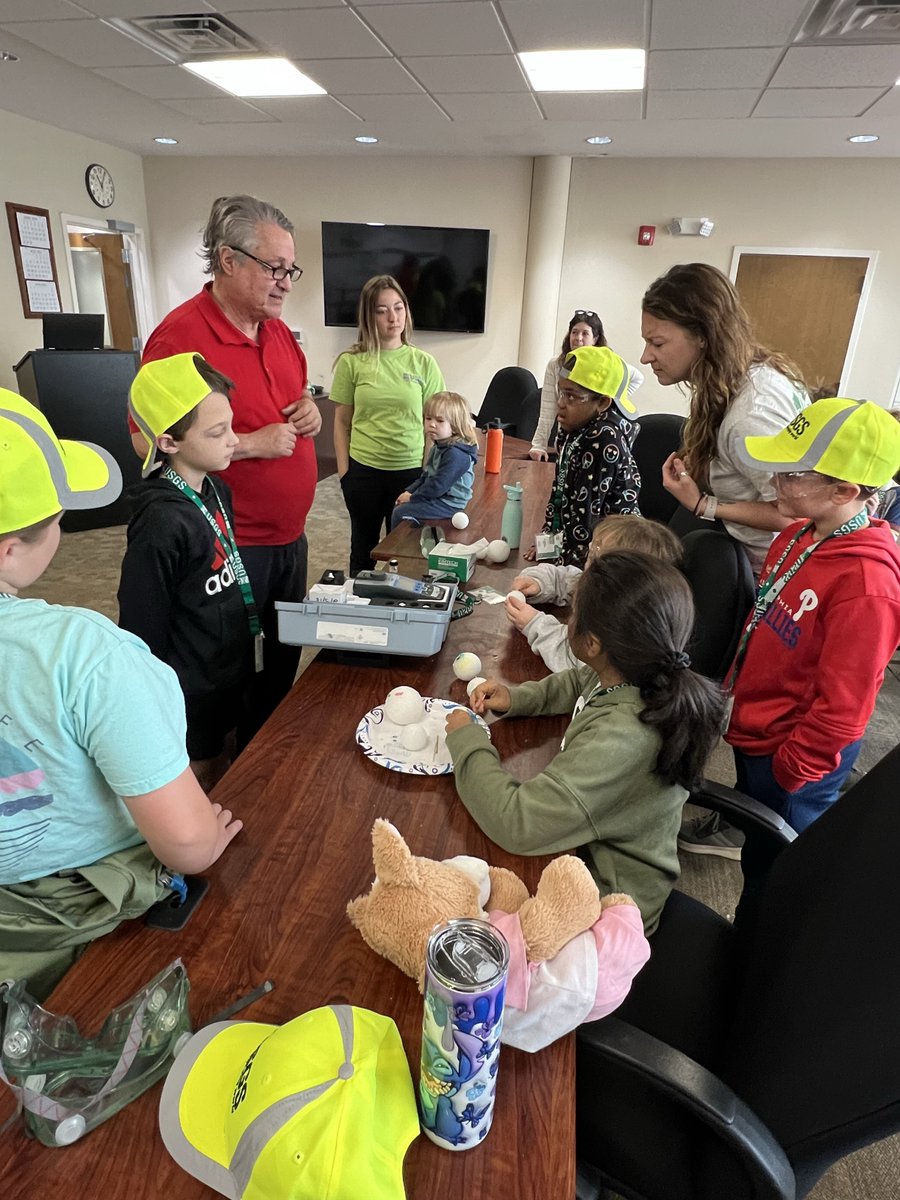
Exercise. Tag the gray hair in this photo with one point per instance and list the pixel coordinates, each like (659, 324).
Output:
(233, 221)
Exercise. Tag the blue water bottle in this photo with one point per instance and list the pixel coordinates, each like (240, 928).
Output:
(511, 521)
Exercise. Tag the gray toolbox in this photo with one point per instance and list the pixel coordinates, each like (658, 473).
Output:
(410, 623)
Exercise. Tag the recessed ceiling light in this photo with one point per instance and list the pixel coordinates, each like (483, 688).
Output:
(6, 56)
(863, 137)
(584, 70)
(256, 77)
(366, 141)
(600, 139)
(380, 224)
(166, 141)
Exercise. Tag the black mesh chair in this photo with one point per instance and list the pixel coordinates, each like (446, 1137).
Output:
(503, 401)
(659, 436)
(721, 579)
(749, 1058)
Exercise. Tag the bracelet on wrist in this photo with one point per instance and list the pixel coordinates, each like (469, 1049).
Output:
(709, 511)
(696, 512)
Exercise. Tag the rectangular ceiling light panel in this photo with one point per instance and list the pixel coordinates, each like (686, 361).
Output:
(584, 70)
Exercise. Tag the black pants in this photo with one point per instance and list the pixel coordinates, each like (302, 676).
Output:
(369, 495)
(276, 573)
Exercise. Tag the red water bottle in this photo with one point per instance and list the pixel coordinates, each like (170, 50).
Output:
(493, 455)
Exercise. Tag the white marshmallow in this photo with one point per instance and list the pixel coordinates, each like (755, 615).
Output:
(515, 594)
(459, 520)
(473, 684)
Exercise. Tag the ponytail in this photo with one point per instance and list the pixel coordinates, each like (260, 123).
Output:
(642, 613)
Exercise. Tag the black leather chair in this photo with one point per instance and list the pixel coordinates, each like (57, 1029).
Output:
(749, 1058)
(659, 436)
(507, 393)
(721, 579)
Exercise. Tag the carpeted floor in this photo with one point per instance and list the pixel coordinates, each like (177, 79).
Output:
(85, 572)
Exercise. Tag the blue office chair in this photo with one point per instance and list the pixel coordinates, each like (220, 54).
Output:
(748, 1058)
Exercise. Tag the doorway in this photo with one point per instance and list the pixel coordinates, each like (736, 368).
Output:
(809, 305)
(109, 275)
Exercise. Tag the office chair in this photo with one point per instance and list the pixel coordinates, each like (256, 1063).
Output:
(659, 436)
(504, 398)
(721, 579)
(749, 1059)
(529, 412)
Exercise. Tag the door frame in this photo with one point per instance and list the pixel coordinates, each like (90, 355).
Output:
(140, 274)
(815, 251)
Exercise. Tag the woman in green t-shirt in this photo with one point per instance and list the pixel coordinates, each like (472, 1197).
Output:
(379, 388)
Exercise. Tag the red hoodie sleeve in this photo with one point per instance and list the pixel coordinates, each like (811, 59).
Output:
(861, 634)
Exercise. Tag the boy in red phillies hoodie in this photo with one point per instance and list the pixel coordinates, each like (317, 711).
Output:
(827, 616)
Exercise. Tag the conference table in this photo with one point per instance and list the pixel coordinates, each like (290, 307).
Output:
(276, 905)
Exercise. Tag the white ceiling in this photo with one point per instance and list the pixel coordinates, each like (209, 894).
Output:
(440, 77)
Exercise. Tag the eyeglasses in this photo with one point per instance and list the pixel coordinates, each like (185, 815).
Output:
(278, 273)
(584, 312)
(574, 397)
(798, 475)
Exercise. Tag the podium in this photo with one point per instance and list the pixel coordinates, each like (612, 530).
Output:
(84, 396)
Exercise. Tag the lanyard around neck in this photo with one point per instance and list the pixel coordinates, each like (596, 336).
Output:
(562, 474)
(226, 543)
(772, 587)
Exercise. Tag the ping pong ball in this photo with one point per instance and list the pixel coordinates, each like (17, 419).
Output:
(459, 520)
(404, 706)
(473, 684)
(497, 551)
(515, 594)
(466, 665)
(414, 737)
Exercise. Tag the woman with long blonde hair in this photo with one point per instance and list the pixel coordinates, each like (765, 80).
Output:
(697, 332)
(379, 389)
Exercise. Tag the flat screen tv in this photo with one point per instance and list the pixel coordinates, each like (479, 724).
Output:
(442, 271)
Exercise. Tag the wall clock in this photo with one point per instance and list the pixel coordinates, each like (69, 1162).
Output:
(100, 186)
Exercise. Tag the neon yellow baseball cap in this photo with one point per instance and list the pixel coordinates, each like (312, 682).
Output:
(163, 392)
(599, 369)
(852, 440)
(321, 1108)
(41, 475)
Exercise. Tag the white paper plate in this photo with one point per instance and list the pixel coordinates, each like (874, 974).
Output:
(379, 739)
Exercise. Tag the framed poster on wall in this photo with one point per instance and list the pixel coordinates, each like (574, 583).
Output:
(32, 243)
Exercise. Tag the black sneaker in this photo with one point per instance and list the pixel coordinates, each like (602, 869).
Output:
(711, 835)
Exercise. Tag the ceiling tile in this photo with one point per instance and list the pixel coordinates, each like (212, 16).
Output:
(217, 111)
(161, 83)
(592, 106)
(85, 43)
(504, 109)
(311, 33)
(887, 106)
(815, 102)
(318, 114)
(698, 69)
(38, 10)
(694, 25)
(145, 8)
(469, 73)
(230, 7)
(569, 24)
(715, 104)
(838, 66)
(395, 109)
(458, 27)
(358, 76)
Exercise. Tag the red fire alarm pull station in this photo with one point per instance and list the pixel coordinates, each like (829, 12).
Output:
(646, 234)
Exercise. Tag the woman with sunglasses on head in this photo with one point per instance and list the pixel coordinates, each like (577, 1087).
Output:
(585, 329)
(379, 390)
(697, 332)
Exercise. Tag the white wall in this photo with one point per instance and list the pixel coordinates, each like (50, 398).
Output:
(825, 203)
(482, 193)
(44, 167)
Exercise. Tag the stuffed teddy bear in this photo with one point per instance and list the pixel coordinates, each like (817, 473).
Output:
(573, 956)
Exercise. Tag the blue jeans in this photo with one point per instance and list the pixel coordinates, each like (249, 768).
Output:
(800, 808)
(421, 512)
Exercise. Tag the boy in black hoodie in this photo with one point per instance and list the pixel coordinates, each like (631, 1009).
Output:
(183, 587)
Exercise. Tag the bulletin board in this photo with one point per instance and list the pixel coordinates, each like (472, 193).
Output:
(32, 243)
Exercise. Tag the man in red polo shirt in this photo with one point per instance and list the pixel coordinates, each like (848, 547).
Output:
(234, 323)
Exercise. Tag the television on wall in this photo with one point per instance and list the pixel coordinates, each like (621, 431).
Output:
(443, 271)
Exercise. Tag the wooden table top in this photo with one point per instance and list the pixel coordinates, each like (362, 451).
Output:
(276, 910)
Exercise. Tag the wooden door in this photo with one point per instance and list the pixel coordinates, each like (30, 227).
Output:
(804, 305)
